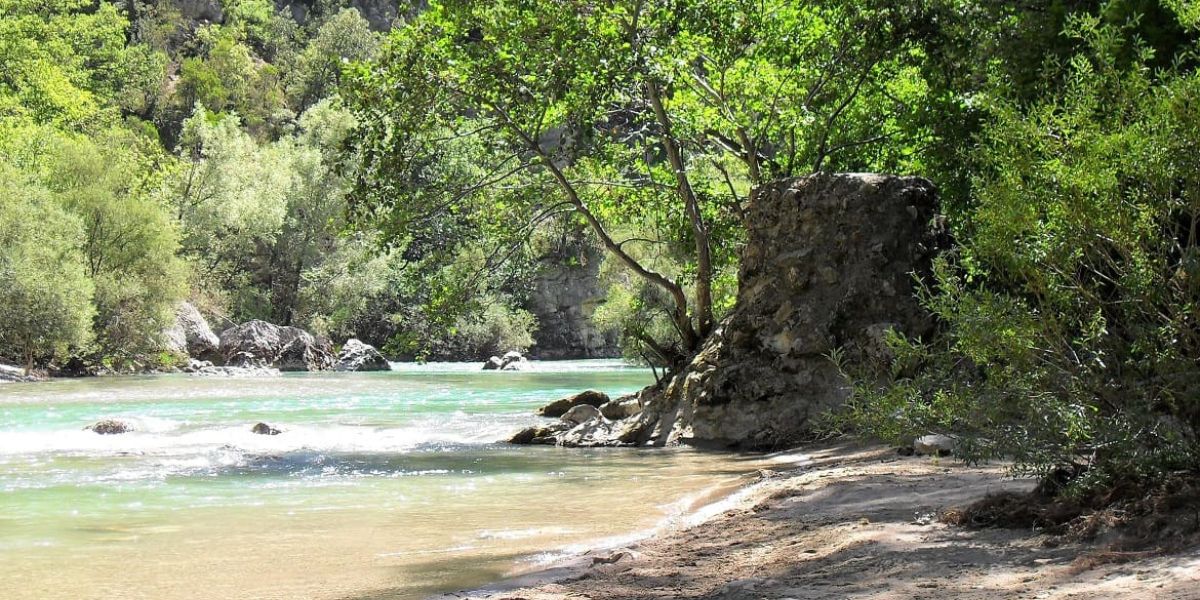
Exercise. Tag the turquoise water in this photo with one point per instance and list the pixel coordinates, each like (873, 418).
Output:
(382, 485)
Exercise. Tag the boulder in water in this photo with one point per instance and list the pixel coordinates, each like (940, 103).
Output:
(109, 427)
(359, 356)
(264, 429)
(511, 361)
(582, 414)
(540, 434)
(560, 407)
(261, 344)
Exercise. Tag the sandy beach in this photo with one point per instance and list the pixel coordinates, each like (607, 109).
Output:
(860, 522)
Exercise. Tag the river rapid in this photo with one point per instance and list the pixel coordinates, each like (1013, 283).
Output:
(382, 485)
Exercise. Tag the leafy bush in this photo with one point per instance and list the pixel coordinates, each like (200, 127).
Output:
(1071, 331)
(45, 294)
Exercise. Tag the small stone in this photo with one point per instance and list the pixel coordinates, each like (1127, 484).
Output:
(264, 429)
(493, 364)
(109, 427)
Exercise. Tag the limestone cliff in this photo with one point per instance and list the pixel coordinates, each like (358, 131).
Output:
(828, 267)
(563, 296)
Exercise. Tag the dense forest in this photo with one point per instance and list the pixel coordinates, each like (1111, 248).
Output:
(157, 151)
(399, 180)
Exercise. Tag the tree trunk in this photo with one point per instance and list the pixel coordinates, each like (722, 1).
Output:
(704, 310)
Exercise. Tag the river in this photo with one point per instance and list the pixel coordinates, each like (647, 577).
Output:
(382, 485)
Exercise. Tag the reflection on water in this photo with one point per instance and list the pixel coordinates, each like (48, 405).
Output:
(381, 484)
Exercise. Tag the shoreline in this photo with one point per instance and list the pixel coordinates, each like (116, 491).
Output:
(853, 521)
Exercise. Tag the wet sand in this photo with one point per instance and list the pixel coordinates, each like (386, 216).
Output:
(857, 522)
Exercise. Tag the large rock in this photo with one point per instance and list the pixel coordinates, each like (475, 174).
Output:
(511, 361)
(190, 334)
(264, 429)
(827, 267)
(581, 414)
(261, 344)
(359, 356)
(565, 292)
(540, 434)
(621, 408)
(560, 407)
(934, 444)
(12, 374)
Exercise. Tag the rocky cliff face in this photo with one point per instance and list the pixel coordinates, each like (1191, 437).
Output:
(565, 294)
(381, 14)
(827, 268)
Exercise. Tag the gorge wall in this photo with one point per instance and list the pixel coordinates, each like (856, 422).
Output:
(828, 267)
(563, 295)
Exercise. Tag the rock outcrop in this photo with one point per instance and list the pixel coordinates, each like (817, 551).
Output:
(11, 374)
(359, 356)
(261, 344)
(191, 335)
(379, 14)
(934, 444)
(560, 407)
(827, 268)
(564, 295)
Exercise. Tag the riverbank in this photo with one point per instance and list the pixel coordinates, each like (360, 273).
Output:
(860, 522)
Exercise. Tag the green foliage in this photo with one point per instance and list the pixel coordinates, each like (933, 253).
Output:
(344, 37)
(1070, 311)
(129, 240)
(647, 122)
(45, 294)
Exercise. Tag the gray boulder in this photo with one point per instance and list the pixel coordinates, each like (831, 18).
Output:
(511, 361)
(934, 445)
(591, 432)
(261, 344)
(582, 414)
(540, 434)
(304, 354)
(109, 427)
(190, 334)
(560, 407)
(264, 429)
(359, 356)
(621, 408)
(11, 374)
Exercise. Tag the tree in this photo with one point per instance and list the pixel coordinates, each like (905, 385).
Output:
(45, 294)
(1070, 324)
(630, 115)
(129, 242)
(342, 38)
